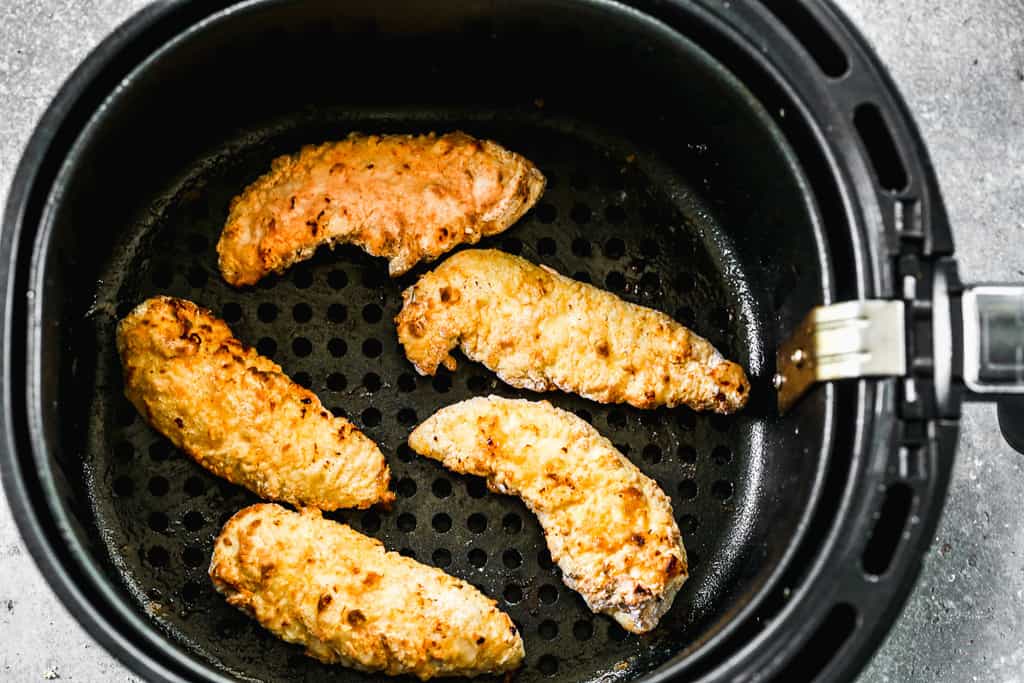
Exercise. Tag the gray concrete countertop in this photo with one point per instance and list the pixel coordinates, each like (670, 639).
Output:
(960, 66)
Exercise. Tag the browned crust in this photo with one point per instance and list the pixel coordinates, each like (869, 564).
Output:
(238, 415)
(406, 198)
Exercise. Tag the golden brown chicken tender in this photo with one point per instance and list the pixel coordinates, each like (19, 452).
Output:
(238, 415)
(403, 197)
(609, 527)
(337, 592)
(539, 330)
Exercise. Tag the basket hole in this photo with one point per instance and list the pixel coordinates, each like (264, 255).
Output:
(579, 180)
(614, 248)
(268, 282)
(722, 455)
(442, 382)
(159, 451)
(581, 247)
(372, 348)
(302, 347)
(406, 487)
(196, 277)
(614, 214)
(441, 523)
(623, 448)
(337, 279)
(546, 246)
(407, 417)
(548, 665)
(582, 276)
(266, 347)
(303, 379)
(406, 522)
(191, 591)
(512, 523)
(124, 450)
(193, 520)
(583, 630)
(302, 277)
(337, 313)
(823, 645)
(652, 453)
(442, 488)
(406, 454)
(885, 537)
(615, 281)
(194, 487)
(158, 521)
(372, 313)
(650, 285)
(511, 558)
(649, 248)
(476, 384)
(881, 148)
(722, 490)
(544, 560)
(548, 594)
(546, 213)
(158, 556)
(476, 488)
(231, 312)
(513, 594)
(159, 486)
(687, 454)
(126, 414)
(371, 382)
(370, 521)
(808, 31)
(616, 419)
(406, 382)
(686, 316)
(477, 558)
(512, 245)
(687, 489)
(686, 419)
(477, 523)
(267, 312)
(616, 633)
(548, 629)
(580, 214)
(371, 417)
(688, 524)
(302, 313)
(441, 557)
(193, 556)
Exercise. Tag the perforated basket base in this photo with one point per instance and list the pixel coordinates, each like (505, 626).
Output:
(611, 215)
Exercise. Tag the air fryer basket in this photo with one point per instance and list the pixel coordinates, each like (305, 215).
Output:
(669, 182)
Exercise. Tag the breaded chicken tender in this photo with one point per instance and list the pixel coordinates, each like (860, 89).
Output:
(403, 197)
(541, 331)
(609, 527)
(238, 415)
(319, 584)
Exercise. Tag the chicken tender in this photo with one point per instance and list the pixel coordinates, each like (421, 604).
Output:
(402, 197)
(317, 583)
(238, 415)
(609, 527)
(539, 330)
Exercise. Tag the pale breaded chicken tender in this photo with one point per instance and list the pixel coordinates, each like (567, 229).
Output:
(609, 527)
(238, 415)
(407, 198)
(319, 584)
(539, 330)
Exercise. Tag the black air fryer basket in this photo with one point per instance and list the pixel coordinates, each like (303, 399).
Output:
(733, 164)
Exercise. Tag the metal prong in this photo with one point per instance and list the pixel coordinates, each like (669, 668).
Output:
(851, 339)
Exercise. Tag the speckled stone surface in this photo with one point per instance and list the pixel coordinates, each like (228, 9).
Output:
(960, 66)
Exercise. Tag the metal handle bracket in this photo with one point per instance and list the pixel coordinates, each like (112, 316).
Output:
(841, 341)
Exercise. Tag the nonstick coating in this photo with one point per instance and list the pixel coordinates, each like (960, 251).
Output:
(329, 324)
(648, 195)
